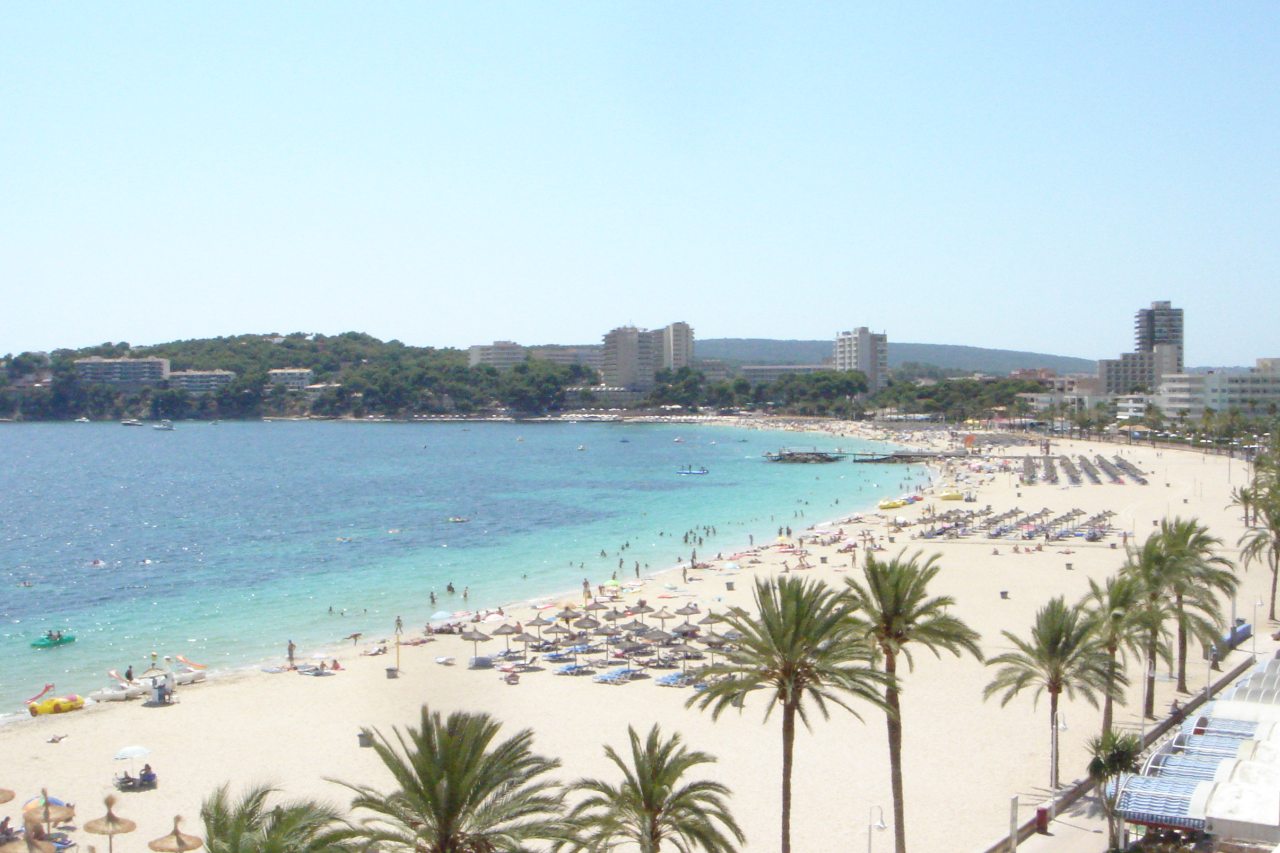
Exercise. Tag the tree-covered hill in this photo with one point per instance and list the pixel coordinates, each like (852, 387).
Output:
(946, 356)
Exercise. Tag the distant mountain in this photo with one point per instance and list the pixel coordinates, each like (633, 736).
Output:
(996, 361)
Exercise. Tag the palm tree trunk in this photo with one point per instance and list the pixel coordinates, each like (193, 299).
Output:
(1053, 739)
(1275, 571)
(788, 750)
(1182, 645)
(894, 722)
(1107, 701)
(1149, 701)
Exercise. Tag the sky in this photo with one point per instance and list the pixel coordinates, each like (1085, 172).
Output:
(1011, 175)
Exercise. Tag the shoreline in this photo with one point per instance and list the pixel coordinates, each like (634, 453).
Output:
(298, 731)
(339, 650)
(652, 579)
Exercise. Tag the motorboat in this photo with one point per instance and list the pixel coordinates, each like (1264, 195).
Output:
(131, 422)
(164, 426)
(83, 421)
(692, 470)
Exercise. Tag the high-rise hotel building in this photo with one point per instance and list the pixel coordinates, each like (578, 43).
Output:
(862, 350)
(632, 357)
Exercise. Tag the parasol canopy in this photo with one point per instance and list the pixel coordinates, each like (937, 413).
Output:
(132, 753)
(48, 810)
(475, 638)
(689, 609)
(663, 615)
(506, 631)
(31, 843)
(176, 841)
(685, 628)
(710, 619)
(6, 795)
(586, 623)
(110, 824)
(596, 605)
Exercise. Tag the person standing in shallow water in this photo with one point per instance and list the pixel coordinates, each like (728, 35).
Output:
(292, 649)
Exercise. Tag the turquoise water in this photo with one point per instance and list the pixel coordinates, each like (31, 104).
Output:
(221, 543)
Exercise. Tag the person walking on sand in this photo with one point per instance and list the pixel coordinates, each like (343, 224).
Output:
(292, 649)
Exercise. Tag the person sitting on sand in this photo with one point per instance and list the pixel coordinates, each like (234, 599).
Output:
(147, 776)
(6, 831)
(335, 666)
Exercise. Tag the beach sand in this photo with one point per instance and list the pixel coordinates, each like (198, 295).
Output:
(964, 758)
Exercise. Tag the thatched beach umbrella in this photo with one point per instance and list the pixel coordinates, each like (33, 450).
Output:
(596, 605)
(657, 635)
(475, 638)
(505, 631)
(710, 619)
(539, 622)
(640, 610)
(110, 824)
(526, 638)
(176, 841)
(614, 615)
(689, 609)
(30, 842)
(47, 811)
(635, 625)
(586, 623)
(663, 615)
(714, 641)
(686, 629)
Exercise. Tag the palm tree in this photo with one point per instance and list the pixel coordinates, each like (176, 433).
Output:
(457, 790)
(801, 646)
(1262, 541)
(1199, 576)
(1116, 622)
(1152, 570)
(1062, 656)
(653, 805)
(893, 610)
(247, 825)
(1113, 756)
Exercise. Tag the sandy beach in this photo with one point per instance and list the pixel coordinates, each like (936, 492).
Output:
(964, 757)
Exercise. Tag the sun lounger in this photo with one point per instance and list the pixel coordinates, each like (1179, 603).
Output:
(445, 661)
(480, 662)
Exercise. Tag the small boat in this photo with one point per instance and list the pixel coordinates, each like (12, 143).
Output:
(950, 495)
(83, 420)
(131, 422)
(692, 470)
(165, 426)
(582, 447)
(52, 638)
(457, 519)
(892, 504)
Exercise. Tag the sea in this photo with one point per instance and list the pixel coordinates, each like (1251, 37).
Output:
(224, 542)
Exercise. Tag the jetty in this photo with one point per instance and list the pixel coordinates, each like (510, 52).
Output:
(906, 457)
(806, 456)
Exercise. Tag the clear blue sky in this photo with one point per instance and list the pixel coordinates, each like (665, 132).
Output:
(1016, 175)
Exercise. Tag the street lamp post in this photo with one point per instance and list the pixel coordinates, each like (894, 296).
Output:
(1257, 602)
(874, 824)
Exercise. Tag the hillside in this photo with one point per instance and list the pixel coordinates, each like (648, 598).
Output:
(997, 361)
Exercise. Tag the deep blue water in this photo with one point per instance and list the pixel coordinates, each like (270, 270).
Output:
(223, 542)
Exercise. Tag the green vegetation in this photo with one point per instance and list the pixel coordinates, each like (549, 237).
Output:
(368, 377)
(457, 790)
(894, 610)
(1062, 656)
(654, 803)
(801, 650)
